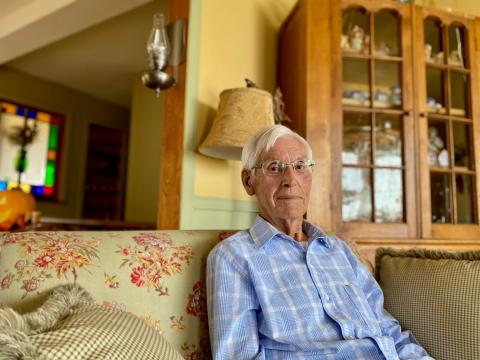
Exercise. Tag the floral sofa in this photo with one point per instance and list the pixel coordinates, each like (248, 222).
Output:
(157, 275)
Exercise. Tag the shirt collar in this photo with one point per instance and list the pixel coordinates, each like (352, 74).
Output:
(262, 231)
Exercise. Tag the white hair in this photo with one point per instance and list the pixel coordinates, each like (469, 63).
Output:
(264, 139)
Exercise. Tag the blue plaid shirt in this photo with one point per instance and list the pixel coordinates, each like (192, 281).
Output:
(269, 297)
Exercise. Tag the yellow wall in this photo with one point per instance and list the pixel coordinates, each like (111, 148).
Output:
(238, 40)
(467, 7)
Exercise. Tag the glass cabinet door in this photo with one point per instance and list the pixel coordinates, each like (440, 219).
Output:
(448, 122)
(447, 114)
(376, 107)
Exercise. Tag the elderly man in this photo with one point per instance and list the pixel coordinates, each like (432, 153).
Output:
(284, 289)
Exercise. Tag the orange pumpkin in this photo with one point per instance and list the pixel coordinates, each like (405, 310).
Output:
(16, 208)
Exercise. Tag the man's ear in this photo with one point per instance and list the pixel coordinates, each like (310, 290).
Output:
(247, 182)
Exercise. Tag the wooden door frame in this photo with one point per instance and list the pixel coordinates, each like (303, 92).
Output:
(168, 214)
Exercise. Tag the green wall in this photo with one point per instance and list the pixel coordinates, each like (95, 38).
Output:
(144, 153)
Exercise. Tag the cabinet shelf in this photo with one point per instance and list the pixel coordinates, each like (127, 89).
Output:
(363, 109)
(353, 55)
(453, 67)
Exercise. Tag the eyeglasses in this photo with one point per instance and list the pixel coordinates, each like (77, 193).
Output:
(278, 167)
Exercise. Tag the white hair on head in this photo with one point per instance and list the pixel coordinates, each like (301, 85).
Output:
(264, 139)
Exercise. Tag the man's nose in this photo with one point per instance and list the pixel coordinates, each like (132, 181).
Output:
(288, 176)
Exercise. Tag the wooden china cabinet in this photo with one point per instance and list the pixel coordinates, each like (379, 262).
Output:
(387, 94)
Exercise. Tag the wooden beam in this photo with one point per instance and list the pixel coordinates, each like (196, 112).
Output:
(168, 214)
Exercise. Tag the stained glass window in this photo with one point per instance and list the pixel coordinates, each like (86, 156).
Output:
(39, 164)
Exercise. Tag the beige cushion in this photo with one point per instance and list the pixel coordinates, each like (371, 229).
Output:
(436, 294)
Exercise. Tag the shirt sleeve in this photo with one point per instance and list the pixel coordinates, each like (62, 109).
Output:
(406, 345)
(232, 309)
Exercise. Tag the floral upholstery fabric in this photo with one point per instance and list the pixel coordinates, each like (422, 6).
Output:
(157, 275)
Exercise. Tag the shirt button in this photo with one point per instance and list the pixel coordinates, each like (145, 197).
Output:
(348, 334)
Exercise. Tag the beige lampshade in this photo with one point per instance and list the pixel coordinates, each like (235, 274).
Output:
(241, 113)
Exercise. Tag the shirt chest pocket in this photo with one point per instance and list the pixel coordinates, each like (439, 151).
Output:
(348, 306)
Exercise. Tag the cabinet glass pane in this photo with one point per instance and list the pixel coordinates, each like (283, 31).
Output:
(433, 42)
(456, 45)
(461, 144)
(435, 91)
(356, 32)
(440, 197)
(357, 143)
(388, 195)
(387, 90)
(356, 83)
(458, 91)
(387, 33)
(357, 195)
(437, 144)
(388, 140)
(464, 191)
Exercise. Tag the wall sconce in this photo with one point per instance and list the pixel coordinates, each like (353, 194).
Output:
(165, 47)
(241, 113)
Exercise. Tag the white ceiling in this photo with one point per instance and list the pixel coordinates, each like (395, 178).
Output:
(9, 6)
(16, 15)
(96, 47)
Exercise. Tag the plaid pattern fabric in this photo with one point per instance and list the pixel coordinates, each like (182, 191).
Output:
(95, 332)
(437, 295)
(270, 298)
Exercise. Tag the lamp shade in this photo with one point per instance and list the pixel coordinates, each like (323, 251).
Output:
(241, 113)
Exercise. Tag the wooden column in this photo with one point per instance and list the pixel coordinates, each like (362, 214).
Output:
(168, 214)
(319, 114)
